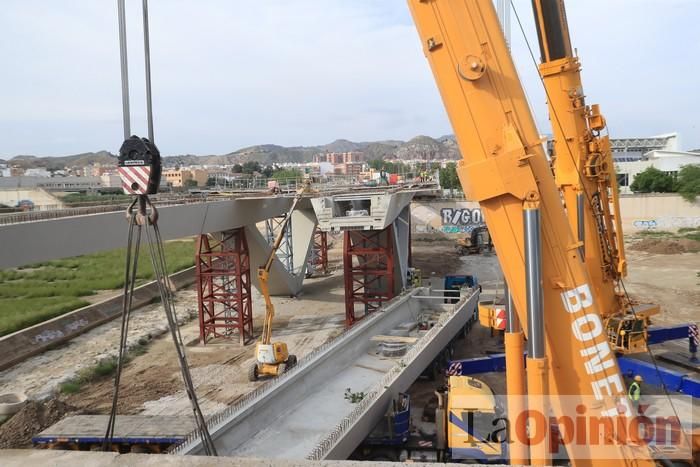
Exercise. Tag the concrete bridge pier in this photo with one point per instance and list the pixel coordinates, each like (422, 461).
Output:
(227, 262)
(376, 245)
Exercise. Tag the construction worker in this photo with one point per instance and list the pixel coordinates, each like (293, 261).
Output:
(635, 391)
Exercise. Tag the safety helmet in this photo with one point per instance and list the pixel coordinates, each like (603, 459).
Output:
(638, 379)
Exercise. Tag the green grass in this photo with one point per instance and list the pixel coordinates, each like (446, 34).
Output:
(70, 387)
(692, 233)
(103, 369)
(42, 291)
(655, 233)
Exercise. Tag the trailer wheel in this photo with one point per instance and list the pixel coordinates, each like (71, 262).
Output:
(253, 372)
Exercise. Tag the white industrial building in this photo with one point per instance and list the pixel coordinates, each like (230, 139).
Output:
(634, 155)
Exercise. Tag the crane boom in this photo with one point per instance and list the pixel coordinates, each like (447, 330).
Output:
(584, 172)
(582, 162)
(505, 169)
(264, 274)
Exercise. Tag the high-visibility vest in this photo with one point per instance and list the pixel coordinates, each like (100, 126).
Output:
(634, 391)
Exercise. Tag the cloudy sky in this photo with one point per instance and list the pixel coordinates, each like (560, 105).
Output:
(234, 73)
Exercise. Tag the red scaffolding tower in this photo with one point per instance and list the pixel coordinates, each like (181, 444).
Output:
(223, 286)
(368, 262)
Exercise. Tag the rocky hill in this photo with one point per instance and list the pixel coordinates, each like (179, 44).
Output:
(59, 162)
(420, 147)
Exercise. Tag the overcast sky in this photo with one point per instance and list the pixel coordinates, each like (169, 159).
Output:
(234, 73)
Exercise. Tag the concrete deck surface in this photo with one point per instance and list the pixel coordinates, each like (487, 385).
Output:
(295, 433)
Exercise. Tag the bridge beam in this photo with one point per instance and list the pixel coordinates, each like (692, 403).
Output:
(33, 242)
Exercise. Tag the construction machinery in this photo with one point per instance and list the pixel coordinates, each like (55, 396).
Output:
(585, 175)
(458, 428)
(273, 358)
(477, 242)
(555, 299)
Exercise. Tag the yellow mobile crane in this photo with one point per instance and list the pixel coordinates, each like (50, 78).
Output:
(273, 358)
(585, 174)
(505, 169)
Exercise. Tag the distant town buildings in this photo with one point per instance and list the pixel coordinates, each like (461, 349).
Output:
(185, 177)
(337, 158)
(634, 155)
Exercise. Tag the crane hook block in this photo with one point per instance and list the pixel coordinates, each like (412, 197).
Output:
(139, 166)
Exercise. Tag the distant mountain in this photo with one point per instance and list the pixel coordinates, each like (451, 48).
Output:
(57, 163)
(420, 147)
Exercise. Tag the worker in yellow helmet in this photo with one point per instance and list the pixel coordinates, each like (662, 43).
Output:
(635, 391)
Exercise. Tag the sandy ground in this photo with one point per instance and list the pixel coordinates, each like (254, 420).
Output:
(670, 280)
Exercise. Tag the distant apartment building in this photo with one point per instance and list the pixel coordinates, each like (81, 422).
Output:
(351, 168)
(110, 180)
(336, 158)
(181, 177)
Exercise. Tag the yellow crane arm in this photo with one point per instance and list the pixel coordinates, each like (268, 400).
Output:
(505, 169)
(264, 271)
(582, 162)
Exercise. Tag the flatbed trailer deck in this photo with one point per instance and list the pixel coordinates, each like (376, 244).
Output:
(132, 433)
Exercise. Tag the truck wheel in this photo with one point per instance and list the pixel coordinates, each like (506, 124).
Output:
(291, 361)
(253, 372)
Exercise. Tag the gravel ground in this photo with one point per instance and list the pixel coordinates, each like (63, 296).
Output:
(38, 377)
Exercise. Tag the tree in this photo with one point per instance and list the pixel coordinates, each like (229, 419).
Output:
(250, 167)
(267, 171)
(688, 182)
(652, 180)
(448, 177)
(211, 181)
(287, 174)
(390, 167)
(237, 168)
(190, 183)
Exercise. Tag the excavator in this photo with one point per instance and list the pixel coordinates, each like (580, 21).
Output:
(584, 173)
(273, 358)
(556, 296)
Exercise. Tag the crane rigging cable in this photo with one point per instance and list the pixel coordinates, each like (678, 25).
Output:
(140, 171)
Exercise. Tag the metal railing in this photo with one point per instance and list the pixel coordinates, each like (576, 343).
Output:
(217, 420)
(35, 216)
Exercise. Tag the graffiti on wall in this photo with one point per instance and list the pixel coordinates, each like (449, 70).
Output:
(666, 222)
(645, 224)
(460, 220)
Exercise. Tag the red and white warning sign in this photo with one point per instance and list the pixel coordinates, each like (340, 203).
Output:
(499, 318)
(135, 179)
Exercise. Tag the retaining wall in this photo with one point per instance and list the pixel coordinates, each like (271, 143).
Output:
(36, 339)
